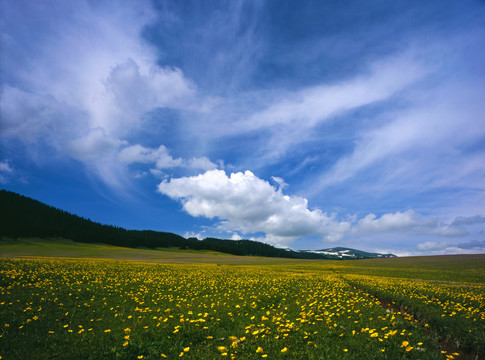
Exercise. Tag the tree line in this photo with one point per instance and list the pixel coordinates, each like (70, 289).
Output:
(21, 216)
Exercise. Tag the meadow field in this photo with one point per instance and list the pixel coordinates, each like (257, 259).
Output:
(60, 300)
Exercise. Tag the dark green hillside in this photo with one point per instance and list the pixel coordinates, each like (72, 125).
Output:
(21, 216)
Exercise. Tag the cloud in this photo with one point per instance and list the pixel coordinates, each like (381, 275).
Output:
(442, 248)
(95, 145)
(161, 158)
(309, 106)
(292, 116)
(281, 183)
(69, 60)
(433, 245)
(90, 83)
(5, 167)
(448, 231)
(408, 221)
(468, 220)
(5, 171)
(191, 234)
(202, 163)
(245, 203)
(419, 130)
(130, 93)
(473, 244)
(236, 237)
(32, 117)
(140, 154)
(392, 222)
(422, 138)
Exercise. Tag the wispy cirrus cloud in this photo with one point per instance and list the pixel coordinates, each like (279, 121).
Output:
(161, 158)
(310, 106)
(91, 83)
(290, 118)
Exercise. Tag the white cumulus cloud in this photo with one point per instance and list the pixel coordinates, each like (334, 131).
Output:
(248, 204)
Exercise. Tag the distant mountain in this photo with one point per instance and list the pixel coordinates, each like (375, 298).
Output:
(21, 216)
(348, 253)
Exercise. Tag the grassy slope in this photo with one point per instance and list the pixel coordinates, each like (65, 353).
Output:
(447, 268)
(31, 247)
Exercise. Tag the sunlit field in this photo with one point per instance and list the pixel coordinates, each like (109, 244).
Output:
(58, 308)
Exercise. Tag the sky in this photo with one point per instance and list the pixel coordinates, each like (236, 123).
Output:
(306, 125)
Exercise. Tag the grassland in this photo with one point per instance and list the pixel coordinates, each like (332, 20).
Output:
(35, 247)
(69, 300)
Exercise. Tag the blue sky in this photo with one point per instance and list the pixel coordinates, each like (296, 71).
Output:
(302, 124)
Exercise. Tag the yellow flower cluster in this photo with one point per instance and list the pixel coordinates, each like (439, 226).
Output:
(181, 310)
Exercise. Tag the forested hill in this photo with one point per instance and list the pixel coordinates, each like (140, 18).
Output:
(21, 216)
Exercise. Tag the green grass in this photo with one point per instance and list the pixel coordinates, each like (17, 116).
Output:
(60, 299)
(469, 268)
(35, 247)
